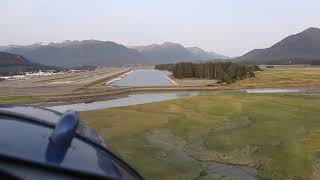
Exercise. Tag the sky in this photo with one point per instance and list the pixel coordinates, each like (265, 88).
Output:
(229, 27)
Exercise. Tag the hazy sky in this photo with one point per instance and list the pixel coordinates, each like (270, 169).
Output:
(230, 27)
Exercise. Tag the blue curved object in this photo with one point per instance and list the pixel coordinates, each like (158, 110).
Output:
(61, 137)
(65, 129)
(38, 143)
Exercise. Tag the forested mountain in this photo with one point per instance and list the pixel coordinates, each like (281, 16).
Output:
(204, 55)
(171, 52)
(8, 59)
(165, 53)
(106, 53)
(78, 53)
(15, 64)
(300, 48)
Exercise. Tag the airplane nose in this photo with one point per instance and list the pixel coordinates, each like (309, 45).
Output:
(61, 137)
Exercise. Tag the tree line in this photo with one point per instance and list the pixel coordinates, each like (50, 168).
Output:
(223, 71)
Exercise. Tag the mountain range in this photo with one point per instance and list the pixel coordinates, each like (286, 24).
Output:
(78, 53)
(8, 59)
(301, 48)
(14, 64)
(106, 53)
(172, 52)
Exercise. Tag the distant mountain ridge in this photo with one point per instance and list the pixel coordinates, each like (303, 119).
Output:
(172, 52)
(15, 64)
(8, 59)
(300, 48)
(200, 53)
(79, 53)
(107, 53)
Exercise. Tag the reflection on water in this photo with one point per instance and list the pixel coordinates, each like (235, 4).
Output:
(126, 101)
(156, 97)
(144, 77)
(282, 90)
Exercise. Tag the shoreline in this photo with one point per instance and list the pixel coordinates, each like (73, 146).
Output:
(171, 80)
(89, 97)
(116, 94)
(117, 78)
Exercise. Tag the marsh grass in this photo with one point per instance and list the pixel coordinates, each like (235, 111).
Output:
(283, 76)
(277, 134)
(15, 99)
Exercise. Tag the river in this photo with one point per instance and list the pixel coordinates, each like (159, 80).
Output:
(132, 99)
(281, 90)
(143, 77)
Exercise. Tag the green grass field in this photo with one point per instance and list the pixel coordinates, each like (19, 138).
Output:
(280, 76)
(15, 99)
(279, 135)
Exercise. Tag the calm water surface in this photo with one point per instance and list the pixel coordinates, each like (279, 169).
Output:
(282, 90)
(126, 101)
(144, 77)
(163, 96)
